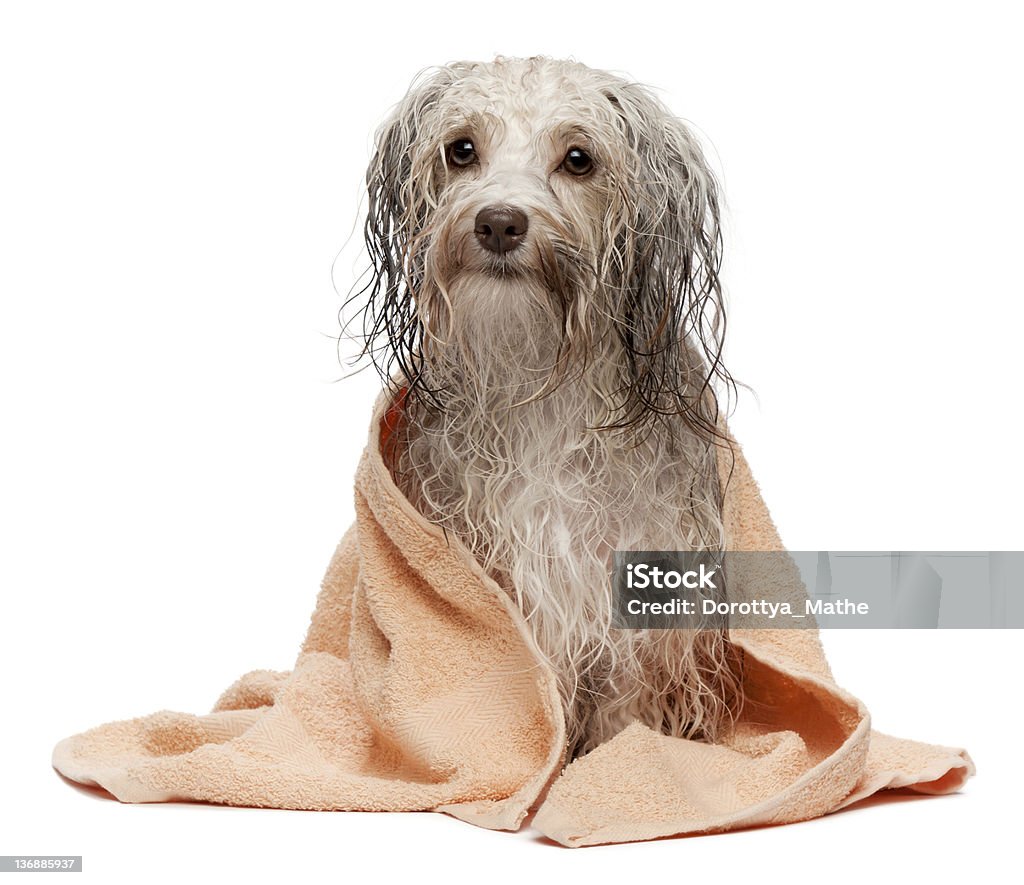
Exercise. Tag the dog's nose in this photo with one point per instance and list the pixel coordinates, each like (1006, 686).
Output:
(501, 229)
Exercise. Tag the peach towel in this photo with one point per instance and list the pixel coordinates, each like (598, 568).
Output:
(419, 687)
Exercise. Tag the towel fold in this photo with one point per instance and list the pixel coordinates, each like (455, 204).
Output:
(419, 687)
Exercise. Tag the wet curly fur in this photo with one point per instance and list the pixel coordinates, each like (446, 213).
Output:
(561, 397)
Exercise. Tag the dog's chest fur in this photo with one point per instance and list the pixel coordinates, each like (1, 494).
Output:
(542, 500)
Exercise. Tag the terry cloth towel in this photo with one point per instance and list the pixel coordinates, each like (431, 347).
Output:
(419, 687)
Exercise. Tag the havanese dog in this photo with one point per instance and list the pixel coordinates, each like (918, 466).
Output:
(545, 245)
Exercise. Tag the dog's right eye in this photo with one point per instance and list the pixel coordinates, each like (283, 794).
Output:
(461, 152)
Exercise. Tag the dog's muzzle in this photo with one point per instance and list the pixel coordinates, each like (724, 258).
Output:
(501, 229)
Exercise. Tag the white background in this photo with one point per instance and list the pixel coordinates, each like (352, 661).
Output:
(177, 458)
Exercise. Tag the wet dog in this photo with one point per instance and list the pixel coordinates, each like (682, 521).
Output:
(546, 250)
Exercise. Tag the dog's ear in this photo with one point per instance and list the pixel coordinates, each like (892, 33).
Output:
(398, 202)
(394, 206)
(671, 318)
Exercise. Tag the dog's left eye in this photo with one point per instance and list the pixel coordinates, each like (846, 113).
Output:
(461, 152)
(577, 161)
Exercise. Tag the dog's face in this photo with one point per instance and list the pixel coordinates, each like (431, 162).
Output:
(518, 168)
(542, 204)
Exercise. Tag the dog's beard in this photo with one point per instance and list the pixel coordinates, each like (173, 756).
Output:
(503, 340)
(511, 327)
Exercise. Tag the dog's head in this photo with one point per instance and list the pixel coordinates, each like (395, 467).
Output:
(549, 216)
